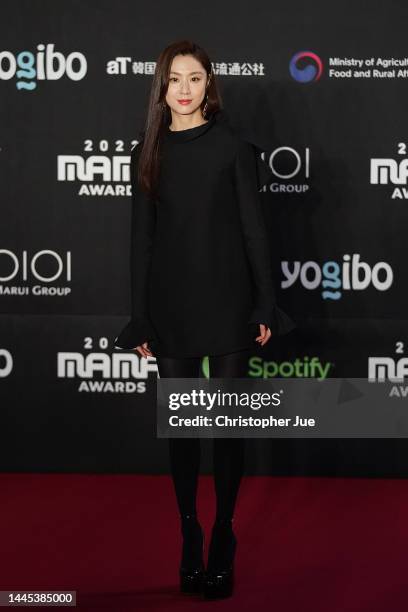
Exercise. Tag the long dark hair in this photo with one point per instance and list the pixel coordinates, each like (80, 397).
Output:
(159, 115)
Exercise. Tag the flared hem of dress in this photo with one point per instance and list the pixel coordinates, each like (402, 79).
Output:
(195, 354)
(140, 329)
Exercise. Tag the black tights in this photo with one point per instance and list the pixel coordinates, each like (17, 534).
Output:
(228, 453)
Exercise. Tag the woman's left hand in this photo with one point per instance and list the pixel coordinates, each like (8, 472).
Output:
(265, 334)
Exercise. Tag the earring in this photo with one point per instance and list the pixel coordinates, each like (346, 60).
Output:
(205, 106)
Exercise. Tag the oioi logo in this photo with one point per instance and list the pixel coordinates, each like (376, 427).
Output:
(311, 69)
(47, 64)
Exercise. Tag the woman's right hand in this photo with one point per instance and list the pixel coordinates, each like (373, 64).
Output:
(144, 350)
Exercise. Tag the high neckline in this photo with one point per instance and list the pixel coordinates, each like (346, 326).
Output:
(190, 133)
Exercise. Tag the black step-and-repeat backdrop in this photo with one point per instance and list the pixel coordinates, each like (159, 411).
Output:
(322, 88)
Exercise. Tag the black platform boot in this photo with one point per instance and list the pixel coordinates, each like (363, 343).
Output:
(219, 577)
(192, 564)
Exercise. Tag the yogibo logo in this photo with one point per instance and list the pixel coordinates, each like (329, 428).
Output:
(334, 277)
(46, 64)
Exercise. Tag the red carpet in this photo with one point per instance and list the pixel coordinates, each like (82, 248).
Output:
(304, 544)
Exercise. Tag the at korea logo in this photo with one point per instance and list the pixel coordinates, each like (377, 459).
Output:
(305, 66)
(46, 64)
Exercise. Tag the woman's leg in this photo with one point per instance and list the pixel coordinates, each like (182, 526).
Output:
(184, 452)
(185, 467)
(228, 470)
(228, 453)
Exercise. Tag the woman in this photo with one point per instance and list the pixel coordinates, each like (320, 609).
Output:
(201, 277)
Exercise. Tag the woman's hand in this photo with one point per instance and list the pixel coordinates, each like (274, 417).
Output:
(265, 334)
(144, 350)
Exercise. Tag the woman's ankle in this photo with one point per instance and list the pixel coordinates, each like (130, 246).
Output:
(189, 519)
(225, 522)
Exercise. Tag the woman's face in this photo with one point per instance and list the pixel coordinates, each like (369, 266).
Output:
(187, 81)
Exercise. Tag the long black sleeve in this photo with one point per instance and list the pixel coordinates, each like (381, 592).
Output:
(142, 228)
(251, 174)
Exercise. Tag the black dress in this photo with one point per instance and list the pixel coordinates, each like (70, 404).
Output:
(201, 277)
